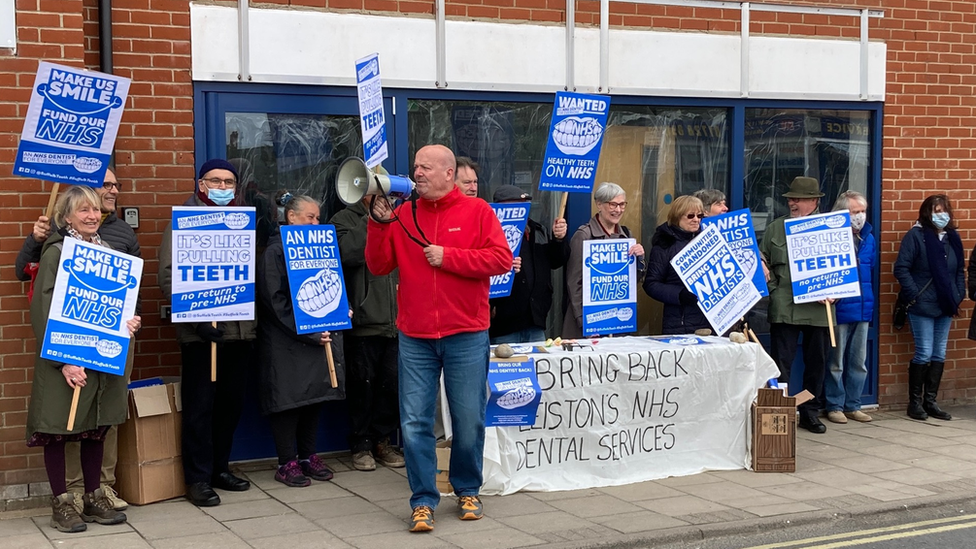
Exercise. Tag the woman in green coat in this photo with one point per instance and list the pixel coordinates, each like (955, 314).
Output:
(102, 401)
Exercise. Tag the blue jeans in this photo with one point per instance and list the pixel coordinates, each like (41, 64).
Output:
(522, 336)
(464, 359)
(931, 335)
(847, 358)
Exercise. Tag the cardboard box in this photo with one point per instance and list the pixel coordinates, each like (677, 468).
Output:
(774, 431)
(150, 466)
(443, 467)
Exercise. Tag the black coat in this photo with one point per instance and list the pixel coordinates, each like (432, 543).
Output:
(293, 370)
(531, 298)
(913, 272)
(662, 282)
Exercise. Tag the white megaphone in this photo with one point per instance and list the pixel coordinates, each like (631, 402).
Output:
(355, 181)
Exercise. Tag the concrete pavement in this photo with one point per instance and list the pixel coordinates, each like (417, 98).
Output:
(853, 469)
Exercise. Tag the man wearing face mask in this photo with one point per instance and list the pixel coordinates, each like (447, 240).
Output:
(787, 320)
(211, 410)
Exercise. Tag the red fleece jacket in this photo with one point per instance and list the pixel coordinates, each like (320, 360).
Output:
(453, 298)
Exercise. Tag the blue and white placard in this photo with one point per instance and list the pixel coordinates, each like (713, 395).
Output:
(371, 116)
(213, 264)
(575, 135)
(823, 260)
(71, 124)
(94, 296)
(318, 290)
(709, 269)
(736, 229)
(514, 393)
(609, 287)
(513, 218)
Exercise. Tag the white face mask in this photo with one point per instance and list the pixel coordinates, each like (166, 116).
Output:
(857, 220)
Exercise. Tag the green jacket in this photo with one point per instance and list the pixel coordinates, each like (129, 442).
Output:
(373, 299)
(103, 398)
(782, 310)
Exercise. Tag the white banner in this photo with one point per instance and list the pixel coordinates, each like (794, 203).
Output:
(628, 410)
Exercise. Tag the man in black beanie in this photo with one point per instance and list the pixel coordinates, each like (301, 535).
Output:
(211, 410)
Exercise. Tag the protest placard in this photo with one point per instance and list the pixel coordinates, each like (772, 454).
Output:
(94, 296)
(213, 264)
(318, 290)
(71, 124)
(575, 135)
(708, 268)
(609, 287)
(514, 393)
(371, 116)
(513, 218)
(823, 260)
(736, 228)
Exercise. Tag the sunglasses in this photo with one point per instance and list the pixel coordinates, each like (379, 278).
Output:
(692, 216)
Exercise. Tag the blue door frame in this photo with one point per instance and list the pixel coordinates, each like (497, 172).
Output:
(213, 100)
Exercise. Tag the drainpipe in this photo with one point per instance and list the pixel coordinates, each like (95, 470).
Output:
(105, 36)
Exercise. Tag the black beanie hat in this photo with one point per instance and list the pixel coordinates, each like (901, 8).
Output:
(217, 164)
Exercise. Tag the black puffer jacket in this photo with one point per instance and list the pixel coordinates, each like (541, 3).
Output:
(662, 282)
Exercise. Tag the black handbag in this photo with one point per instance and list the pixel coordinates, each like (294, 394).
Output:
(900, 315)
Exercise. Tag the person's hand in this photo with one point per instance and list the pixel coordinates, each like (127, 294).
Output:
(687, 298)
(435, 255)
(42, 229)
(765, 270)
(637, 250)
(209, 333)
(134, 324)
(830, 301)
(380, 208)
(74, 376)
(493, 311)
(325, 339)
(559, 229)
(517, 264)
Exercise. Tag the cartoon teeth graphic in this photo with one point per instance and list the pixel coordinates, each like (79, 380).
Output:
(513, 236)
(108, 348)
(747, 260)
(516, 398)
(319, 295)
(577, 136)
(86, 164)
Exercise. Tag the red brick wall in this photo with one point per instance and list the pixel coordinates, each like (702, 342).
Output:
(928, 144)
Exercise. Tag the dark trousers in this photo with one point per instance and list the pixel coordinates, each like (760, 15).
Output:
(211, 410)
(295, 429)
(371, 390)
(816, 345)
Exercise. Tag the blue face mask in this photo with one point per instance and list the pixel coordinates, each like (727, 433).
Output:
(220, 197)
(940, 219)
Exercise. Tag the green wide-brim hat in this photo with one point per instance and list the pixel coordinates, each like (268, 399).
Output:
(804, 187)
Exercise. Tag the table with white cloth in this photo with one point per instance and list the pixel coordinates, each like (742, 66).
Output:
(631, 409)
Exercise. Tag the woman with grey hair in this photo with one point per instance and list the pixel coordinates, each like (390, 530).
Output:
(713, 200)
(610, 200)
(845, 366)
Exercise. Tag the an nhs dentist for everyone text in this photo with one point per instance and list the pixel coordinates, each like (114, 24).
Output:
(447, 246)
(102, 401)
(610, 200)
(211, 410)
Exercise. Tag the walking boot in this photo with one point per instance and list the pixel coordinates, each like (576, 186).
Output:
(916, 378)
(64, 517)
(98, 508)
(933, 377)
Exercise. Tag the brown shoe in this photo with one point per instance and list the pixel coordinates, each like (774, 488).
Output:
(836, 416)
(388, 455)
(98, 508)
(64, 517)
(422, 519)
(858, 415)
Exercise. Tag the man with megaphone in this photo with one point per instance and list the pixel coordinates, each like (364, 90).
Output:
(447, 246)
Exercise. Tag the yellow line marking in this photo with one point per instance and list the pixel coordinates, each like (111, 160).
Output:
(933, 522)
(887, 537)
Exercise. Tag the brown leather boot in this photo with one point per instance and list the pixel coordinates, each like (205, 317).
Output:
(98, 508)
(64, 517)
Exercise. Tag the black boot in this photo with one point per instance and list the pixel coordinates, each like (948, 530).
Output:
(916, 378)
(933, 377)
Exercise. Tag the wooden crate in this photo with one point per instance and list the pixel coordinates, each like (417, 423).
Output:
(774, 432)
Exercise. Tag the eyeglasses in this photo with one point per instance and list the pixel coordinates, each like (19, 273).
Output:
(110, 184)
(692, 216)
(215, 181)
(617, 205)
